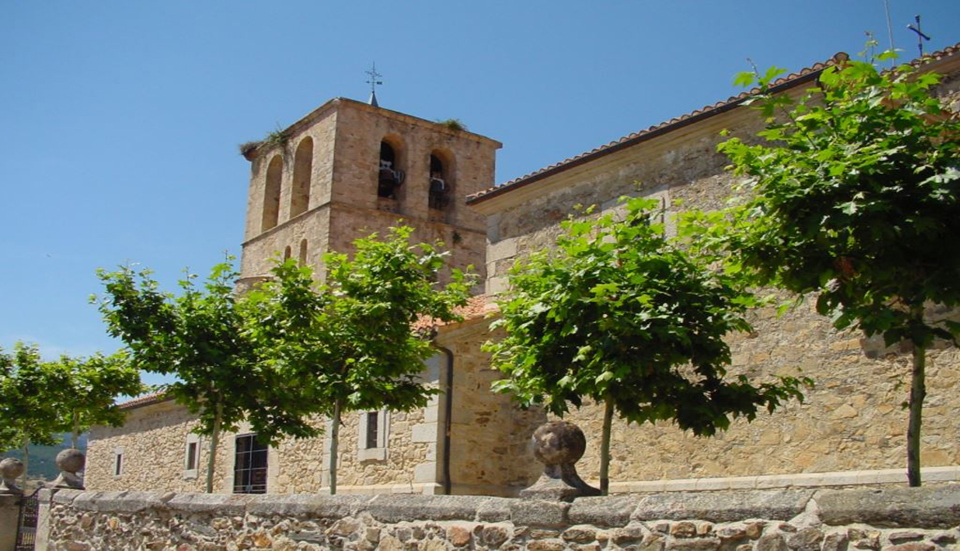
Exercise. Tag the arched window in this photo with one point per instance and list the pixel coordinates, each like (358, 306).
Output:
(286, 253)
(302, 169)
(303, 253)
(390, 176)
(271, 194)
(439, 190)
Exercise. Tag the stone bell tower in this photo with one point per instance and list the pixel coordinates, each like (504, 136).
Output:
(349, 169)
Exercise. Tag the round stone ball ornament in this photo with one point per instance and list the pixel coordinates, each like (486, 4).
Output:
(559, 445)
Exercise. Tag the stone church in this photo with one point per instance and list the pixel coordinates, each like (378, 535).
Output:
(349, 168)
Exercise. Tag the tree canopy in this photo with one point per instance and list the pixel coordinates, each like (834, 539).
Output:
(350, 343)
(617, 314)
(200, 336)
(853, 195)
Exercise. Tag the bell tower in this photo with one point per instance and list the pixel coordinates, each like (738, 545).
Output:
(349, 169)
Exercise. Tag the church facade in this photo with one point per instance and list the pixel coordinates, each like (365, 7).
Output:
(349, 169)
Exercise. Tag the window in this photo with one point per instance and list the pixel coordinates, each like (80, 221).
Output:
(372, 442)
(271, 194)
(250, 466)
(191, 456)
(440, 185)
(302, 169)
(286, 253)
(118, 462)
(372, 429)
(390, 176)
(303, 253)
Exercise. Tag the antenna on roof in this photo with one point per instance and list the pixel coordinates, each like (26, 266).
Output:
(374, 82)
(920, 36)
(886, 6)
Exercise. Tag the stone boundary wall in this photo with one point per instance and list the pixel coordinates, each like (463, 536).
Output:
(899, 519)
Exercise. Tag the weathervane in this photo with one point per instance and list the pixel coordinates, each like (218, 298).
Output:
(374, 82)
(920, 35)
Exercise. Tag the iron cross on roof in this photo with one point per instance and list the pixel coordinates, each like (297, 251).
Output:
(920, 35)
(374, 82)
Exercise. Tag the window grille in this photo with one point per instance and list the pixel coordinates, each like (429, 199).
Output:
(250, 470)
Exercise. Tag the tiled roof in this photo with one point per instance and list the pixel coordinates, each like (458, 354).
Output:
(144, 400)
(476, 307)
(783, 83)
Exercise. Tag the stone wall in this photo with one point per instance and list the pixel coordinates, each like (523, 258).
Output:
(154, 439)
(489, 435)
(905, 519)
(851, 421)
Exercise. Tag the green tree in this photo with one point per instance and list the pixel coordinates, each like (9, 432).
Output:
(350, 343)
(854, 195)
(619, 315)
(92, 385)
(199, 337)
(28, 415)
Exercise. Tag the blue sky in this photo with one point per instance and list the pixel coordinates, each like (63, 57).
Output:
(120, 120)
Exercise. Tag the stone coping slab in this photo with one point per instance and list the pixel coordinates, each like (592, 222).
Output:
(930, 507)
(726, 506)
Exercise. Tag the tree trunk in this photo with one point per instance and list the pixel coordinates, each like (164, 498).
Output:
(334, 444)
(214, 441)
(918, 392)
(605, 446)
(75, 437)
(26, 459)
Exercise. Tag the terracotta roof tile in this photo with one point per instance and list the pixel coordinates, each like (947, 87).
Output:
(146, 399)
(476, 307)
(784, 82)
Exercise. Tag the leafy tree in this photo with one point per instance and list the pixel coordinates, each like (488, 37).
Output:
(854, 195)
(199, 337)
(27, 414)
(350, 342)
(92, 385)
(619, 315)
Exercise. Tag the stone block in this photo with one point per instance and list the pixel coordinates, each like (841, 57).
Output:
(925, 507)
(727, 506)
(538, 513)
(506, 248)
(221, 504)
(603, 511)
(424, 432)
(311, 505)
(397, 508)
(118, 502)
(425, 472)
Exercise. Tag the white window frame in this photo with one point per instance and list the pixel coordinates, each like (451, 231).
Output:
(188, 473)
(379, 453)
(119, 463)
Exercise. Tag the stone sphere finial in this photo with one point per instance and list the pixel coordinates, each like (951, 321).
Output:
(559, 445)
(10, 470)
(558, 442)
(69, 462)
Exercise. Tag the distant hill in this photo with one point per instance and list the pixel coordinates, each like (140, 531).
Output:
(43, 458)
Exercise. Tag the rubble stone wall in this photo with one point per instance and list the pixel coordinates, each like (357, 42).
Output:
(903, 519)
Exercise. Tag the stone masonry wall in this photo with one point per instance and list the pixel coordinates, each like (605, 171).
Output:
(489, 435)
(851, 421)
(154, 439)
(905, 519)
